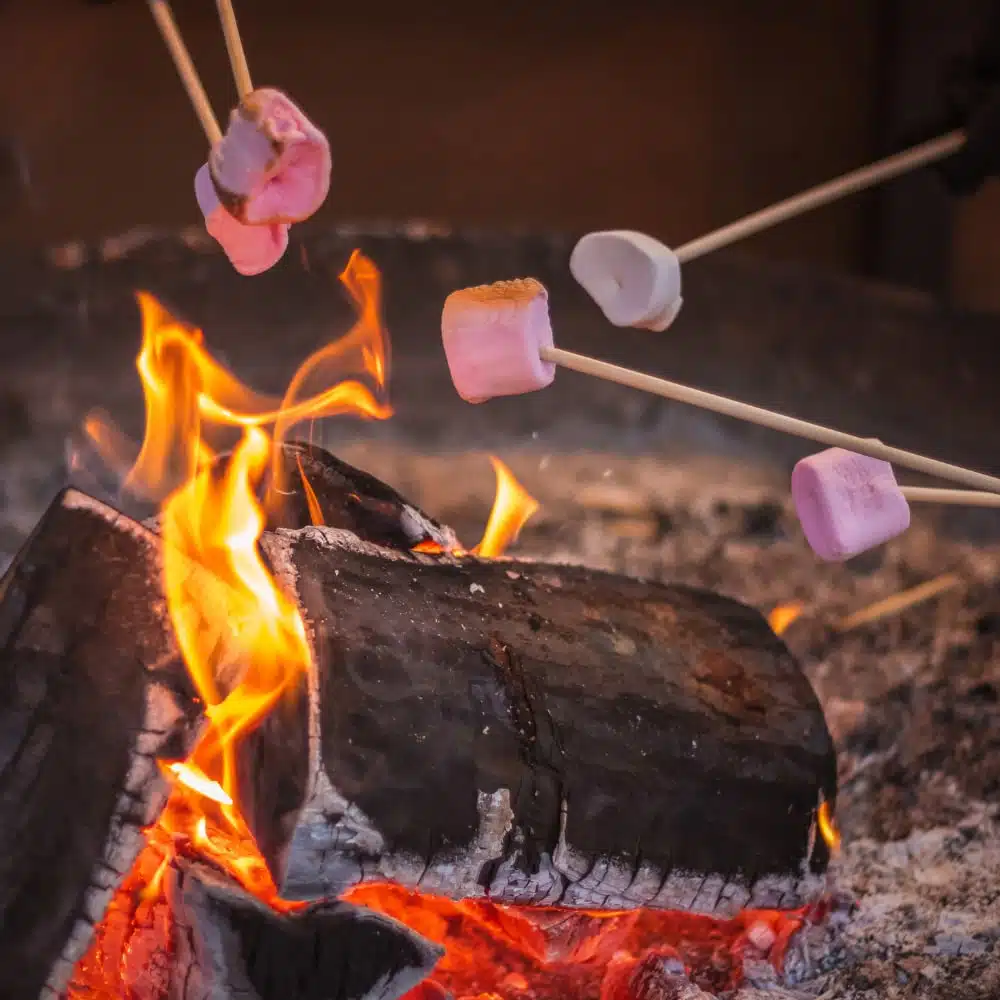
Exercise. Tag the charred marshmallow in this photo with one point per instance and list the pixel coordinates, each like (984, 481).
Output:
(493, 336)
(250, 249)
(847, 503)
(635, 279)
(272, 165)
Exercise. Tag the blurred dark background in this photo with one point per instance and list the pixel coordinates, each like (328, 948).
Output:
(673, 116)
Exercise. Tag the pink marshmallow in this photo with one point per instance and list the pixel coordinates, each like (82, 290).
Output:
(493, 336)
(250, 249)
(272, 165)
(847, 503)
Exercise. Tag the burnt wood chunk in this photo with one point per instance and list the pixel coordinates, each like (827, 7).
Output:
(543, 734)
(347, 498)
(229, 944)
(92, 693)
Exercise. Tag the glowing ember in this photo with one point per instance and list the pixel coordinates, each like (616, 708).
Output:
(783, 615)
(551, 953)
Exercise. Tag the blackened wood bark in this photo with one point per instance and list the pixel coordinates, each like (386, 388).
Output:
(543, 734)
(228, 944)
(348, 498)
(345, 497)
(92, 692)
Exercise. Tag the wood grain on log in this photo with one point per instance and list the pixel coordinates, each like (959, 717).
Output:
(228, 944)
(544, 734)
(540, 734)
(92, 693)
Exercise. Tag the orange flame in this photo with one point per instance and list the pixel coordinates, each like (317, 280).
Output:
(315, 511)
(216, 522)
(783, 615)
(243, 641)
(828, 827)
(512, 507)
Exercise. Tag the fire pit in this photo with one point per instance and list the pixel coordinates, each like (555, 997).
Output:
(348, 852)
(537, 771)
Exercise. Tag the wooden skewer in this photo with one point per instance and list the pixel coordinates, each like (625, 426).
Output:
(234, 46)
(899, 602)
(185, 68)
(823, 194)
(768, 418)
(961, 498)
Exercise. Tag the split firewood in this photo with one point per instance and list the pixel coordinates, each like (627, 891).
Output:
(92, 693)
(229, 944)
(538, 734)
(316, 488)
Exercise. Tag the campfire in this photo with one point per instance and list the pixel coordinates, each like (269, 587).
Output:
(309, 745)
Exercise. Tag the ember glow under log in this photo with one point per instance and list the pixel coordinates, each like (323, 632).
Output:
(204, 937)
(229, 944)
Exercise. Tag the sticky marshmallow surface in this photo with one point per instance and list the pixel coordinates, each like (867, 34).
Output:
(273, 165)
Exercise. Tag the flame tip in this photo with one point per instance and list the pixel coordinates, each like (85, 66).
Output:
(828, 827)
(513, 507)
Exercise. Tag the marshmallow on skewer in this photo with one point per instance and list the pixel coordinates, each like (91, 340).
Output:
(493, 336)
(272, 165)
(250, 249)
(847, 503)
(635, 279)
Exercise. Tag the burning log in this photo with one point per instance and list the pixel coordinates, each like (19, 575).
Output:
(539, 735)
(202, 936)
(536, 734)
(229, 944)
(92, 694)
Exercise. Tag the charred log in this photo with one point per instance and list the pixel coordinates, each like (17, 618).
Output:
(318, 488)
(92, 693)
(229, 944)
(540, 734)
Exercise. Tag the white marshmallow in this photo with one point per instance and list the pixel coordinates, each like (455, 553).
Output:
(635, 279)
